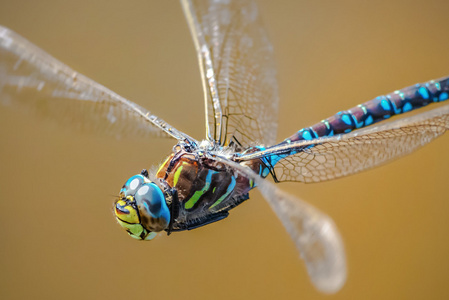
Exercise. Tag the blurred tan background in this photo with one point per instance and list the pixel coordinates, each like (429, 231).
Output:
(58, 236)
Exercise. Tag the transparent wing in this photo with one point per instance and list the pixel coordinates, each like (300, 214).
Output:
(314, 233)
(329, 158)
(31, 79)
(237, 68)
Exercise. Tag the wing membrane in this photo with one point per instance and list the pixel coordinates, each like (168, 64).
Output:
(236, 63)
(314, 233)
(329, 158)
(31, 79)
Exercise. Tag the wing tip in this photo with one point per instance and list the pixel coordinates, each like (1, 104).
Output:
(328, 274)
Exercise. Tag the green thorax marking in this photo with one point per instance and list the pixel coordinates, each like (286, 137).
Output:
(197, 195)
(177, 173)
(228, 191)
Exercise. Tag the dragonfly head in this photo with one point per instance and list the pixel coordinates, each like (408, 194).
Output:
(141, 208)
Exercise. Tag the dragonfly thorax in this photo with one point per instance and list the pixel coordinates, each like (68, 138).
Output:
(205, 188)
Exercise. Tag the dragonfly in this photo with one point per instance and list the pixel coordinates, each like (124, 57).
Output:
(202, 180)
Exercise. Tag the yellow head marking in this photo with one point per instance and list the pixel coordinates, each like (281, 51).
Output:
(126, 212)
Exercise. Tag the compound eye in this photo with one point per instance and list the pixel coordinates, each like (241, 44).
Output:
(152, 207)
(132, 185)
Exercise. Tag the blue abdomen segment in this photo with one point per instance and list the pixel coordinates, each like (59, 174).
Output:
(376, 110)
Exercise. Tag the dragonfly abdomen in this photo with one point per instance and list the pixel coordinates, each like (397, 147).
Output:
(376, 110)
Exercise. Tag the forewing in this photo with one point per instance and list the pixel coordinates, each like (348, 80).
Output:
(329, 158)
(314, 233)
(32, 80)
(238, 72)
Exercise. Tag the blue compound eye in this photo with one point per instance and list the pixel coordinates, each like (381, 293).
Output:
(153, 209)
(132, 185)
